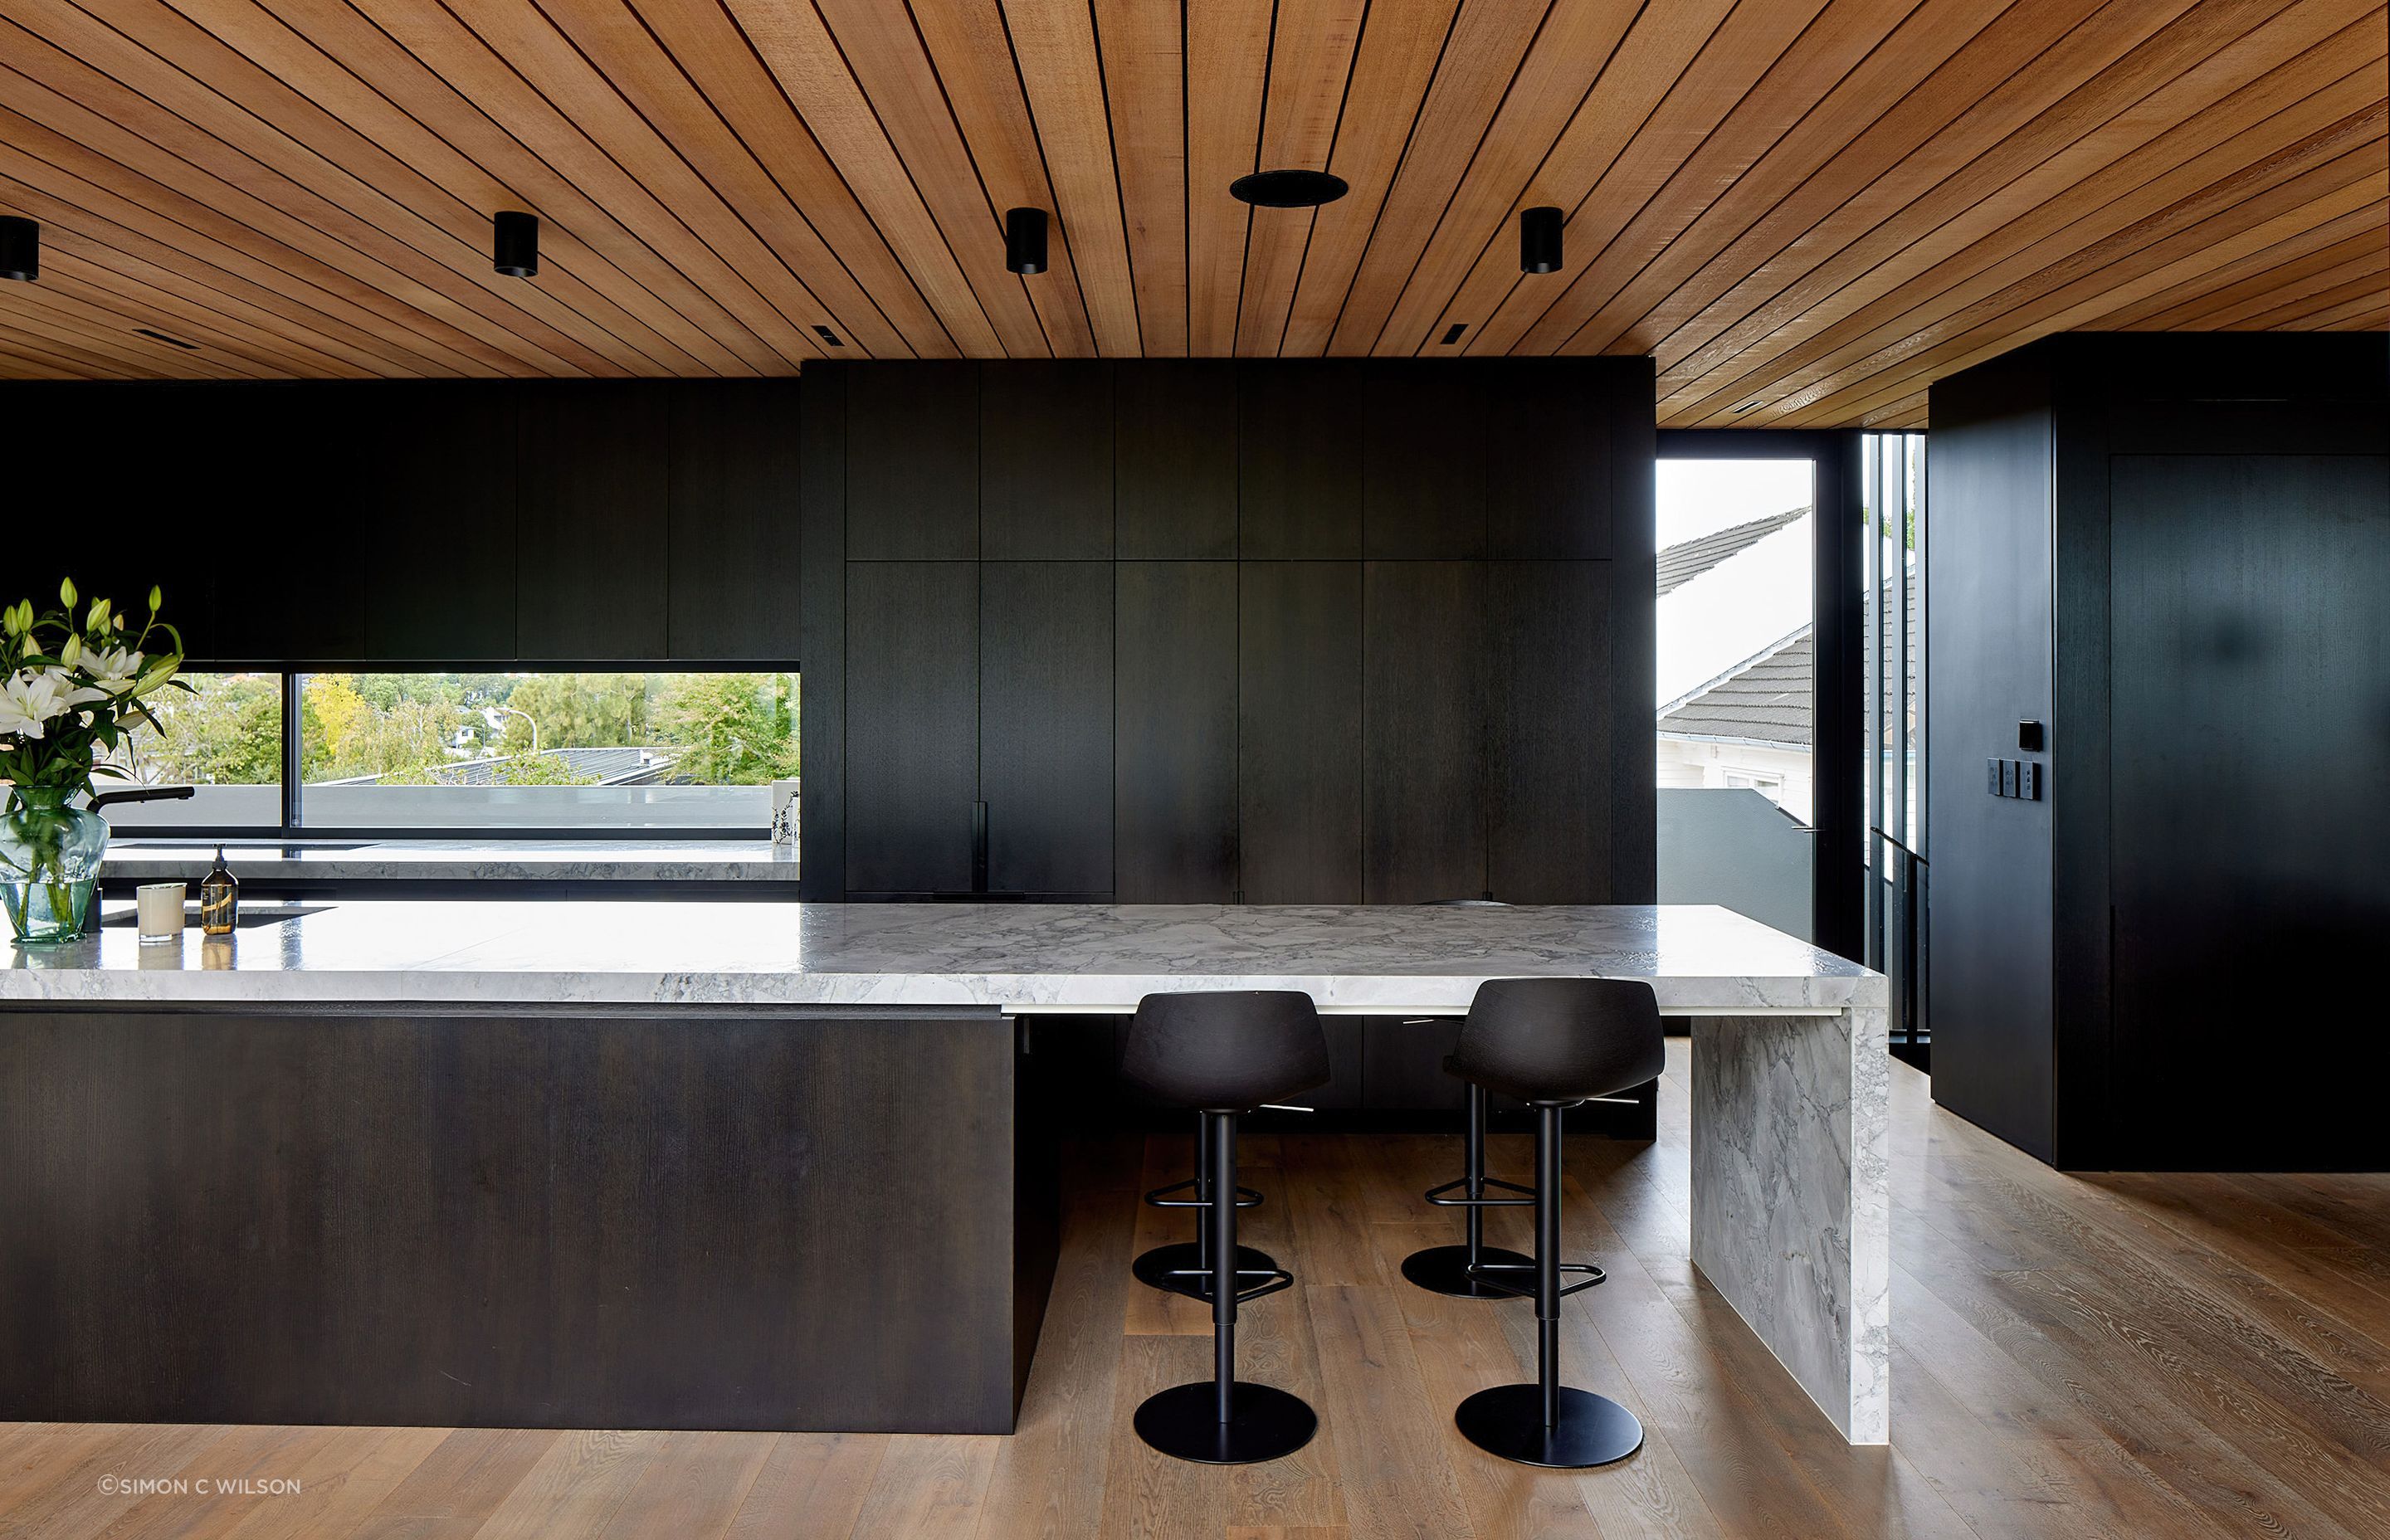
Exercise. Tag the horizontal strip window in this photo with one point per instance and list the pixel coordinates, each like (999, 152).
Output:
(473, 755)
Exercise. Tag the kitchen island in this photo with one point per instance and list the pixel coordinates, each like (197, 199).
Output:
(760, 1165)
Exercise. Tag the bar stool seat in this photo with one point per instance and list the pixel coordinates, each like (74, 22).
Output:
(1553, 1044)
(1222, 1055)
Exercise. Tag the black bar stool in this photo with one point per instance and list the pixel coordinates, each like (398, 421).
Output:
(1554, 1043)
(1222, 1055)
(1185, 1267)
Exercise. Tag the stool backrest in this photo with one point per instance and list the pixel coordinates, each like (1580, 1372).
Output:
(1226, 1051)
(1568, 1039)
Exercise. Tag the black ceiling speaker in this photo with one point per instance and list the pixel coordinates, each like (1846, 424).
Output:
(1287, 189)
(1024, 240)
(20, 247)
(516, 252)
(1539, 240)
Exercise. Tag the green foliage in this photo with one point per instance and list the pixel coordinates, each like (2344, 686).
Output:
(226, 732)
(733, 729)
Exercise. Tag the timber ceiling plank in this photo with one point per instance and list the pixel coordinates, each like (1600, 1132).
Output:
(2150, 197)
(1312, 43)
(1481, 57)
(972, 56)
(1227, 54)
(1804, 211)
(894, 72)
(1060, 64)
(120, 70)
(1401, 43)
(1142, 49)
(1471, 264)
(2008, 194)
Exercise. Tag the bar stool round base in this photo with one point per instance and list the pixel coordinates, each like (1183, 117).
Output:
(1509, 1420)
(1445, 1270)
(1266, 1423)
(1152, 1268)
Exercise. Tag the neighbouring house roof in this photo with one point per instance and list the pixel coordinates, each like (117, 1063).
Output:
(1679, 564)
(1764, 699)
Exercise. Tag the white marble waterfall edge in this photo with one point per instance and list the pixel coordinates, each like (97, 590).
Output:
(1792, 1198)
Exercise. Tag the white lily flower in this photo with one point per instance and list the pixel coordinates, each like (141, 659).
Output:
(30, 701)
(114, 671)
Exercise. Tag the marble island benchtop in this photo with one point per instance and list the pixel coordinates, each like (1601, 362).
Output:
(1065, 957)
(271, 862)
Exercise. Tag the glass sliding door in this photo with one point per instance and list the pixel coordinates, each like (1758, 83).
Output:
(1893, 544)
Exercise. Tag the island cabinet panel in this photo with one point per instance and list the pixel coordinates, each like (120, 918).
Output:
(1298, 459)
(1174, 777)
(1423, 470)
(1299, 669)
(591, 583)
(1046, 725)
(1174, 459)
(1550, 679)
(912, 461)
(1423, 713)
(912, 724)
(735, 469)
(689, 1217)
(1046, 461)
(437, 517)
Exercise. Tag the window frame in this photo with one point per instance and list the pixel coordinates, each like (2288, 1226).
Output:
(293, 830)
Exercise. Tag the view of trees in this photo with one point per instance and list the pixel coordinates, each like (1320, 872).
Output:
(729, 729)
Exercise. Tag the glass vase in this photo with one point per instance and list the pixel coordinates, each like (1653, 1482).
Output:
(49, 864)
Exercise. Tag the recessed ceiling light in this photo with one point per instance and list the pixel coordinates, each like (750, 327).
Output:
(170, 341)
(1287, 189)
(829, 336)
(1452, 333)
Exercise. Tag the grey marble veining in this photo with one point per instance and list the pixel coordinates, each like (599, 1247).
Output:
(462, 861)
(1792, 1197)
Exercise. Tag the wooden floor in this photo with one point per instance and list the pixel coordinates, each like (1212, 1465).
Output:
(2125, 1356)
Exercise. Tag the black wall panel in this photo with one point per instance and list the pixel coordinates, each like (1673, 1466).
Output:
(1548, 443)
(732, 568)
(437, 520)
(1174, 769)
(1176, 459)
(1551, 788)
(913, 462)
(593, 497)
(1046, 461)
(1298, 459)
(1424, 726)
(912, 724)
(1299, 762)
(1045, 725)
(1423, 460)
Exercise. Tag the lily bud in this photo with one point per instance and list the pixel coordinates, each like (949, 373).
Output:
(72, 650)
(67, 592)
(98, 616)
(154, 596)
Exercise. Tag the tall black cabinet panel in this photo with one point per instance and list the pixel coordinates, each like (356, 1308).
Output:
(1551, 677)
(912, 724)
(912, 461)
(438, 521)
(1299, 456)
(1424, 469)
(1549, 444)
(287, 453)
(1423, 730)
(1299, 668)
(734, 508)
(590, 585)
(1046, 725)
(1175, 773)
(1174, 459)
(1046, 461)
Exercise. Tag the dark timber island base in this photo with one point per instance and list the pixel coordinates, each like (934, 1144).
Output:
(824, 1218)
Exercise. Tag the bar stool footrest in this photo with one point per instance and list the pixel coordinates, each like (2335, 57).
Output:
(1246, 1197)
(1167, 1267)
(1527, 1203)
(1479, 1272)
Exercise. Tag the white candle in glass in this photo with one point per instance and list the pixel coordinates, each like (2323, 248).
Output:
(162, 911)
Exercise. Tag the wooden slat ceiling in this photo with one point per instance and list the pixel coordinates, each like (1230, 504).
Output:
(1805, 210)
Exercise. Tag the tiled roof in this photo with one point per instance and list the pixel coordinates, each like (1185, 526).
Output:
(1767, 699)
(1681, 563)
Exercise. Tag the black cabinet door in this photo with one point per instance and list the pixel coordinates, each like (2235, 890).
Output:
(1174, 459)
(1045, 725)
(1174, 777)
(912, 461)
(1423, 460)
(294, 465)
(591, 543)
(912, 724)
(734, 501)
(1045, 460)
(1548, 440)
(1423, 739)
(1299, 458)
(439, 516)
(1299, 738)
(1551, 677)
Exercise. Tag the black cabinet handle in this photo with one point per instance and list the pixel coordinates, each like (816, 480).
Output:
(979, 847)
